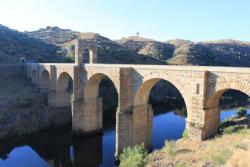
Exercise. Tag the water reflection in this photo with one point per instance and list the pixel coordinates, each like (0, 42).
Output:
(87, 152)
(58, 149)
(226, 113)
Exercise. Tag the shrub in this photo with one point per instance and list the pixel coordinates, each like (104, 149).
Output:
(133, 156)
(241, 111)
(227, 122)
(180, 164)
(235, 129)
(241, 145)
(185, 134)
(221, 157)
(229, 130)
(69, 59)
(170, 147)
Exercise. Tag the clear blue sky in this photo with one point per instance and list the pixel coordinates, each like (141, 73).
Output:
(158, 19)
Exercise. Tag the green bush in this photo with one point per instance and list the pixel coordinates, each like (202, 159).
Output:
(229, 130)
(221, 157)
(69, 59)
(185, 134)
(235, 129)
(133, 156)
(241, 111)
(227, 122)
(241, 145)
(170, 147)
(181, 164)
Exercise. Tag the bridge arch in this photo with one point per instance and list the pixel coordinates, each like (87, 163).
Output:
(45, 80)
(213, 100)
(64, 88)
(213, 116)
(143, 111)
(101, 100)
(93, 85)
(143, 92)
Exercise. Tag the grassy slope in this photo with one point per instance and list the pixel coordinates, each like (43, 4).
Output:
(230, 150)
(20, 106)
(15, 88)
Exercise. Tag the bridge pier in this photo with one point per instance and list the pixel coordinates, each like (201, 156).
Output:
(211, 122)
(87, 116)
(203, 124)
(142, 125)
(124, 135)
(134, 127)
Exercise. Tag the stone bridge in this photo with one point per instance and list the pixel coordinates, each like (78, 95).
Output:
(200, 87)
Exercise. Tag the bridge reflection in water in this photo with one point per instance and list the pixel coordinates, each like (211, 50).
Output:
(57, 149)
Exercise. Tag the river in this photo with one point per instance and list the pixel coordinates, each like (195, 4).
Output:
(58, 149)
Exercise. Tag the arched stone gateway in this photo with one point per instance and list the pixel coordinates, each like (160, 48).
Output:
(44, 81)
(64, 89)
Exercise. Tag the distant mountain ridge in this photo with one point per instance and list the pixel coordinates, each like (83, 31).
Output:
(51, 43)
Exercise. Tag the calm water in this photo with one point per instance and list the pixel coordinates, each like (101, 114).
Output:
(57, 149)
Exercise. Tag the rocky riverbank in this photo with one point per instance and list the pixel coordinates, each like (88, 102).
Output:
(230, 149)
(23, 110)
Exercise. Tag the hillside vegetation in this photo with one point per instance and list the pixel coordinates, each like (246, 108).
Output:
(51, 44)
(108, 51)
(183, 52)
(14, 45)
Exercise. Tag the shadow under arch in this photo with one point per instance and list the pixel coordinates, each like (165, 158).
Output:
(214, 106)
(93, 85)
(143, 112)
(214, 100)
(101, 88)
(45, 81)
(64, 88)
(142, 96)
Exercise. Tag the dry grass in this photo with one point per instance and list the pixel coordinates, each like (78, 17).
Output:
(231, 150)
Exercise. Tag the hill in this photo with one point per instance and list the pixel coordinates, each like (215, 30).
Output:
(14, 45)
(51, 44)
(108, 51)
(148, 47)
(183, 52)
(53, 35)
